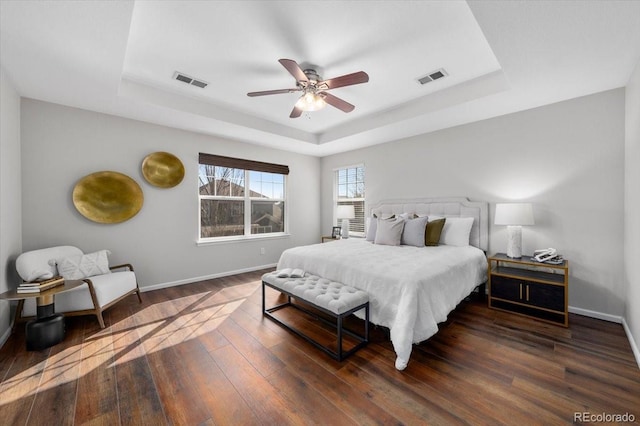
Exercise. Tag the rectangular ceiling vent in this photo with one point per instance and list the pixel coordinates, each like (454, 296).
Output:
(189, 80)
(433, 76)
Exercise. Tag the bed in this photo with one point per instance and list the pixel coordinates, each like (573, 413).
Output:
(411, 289)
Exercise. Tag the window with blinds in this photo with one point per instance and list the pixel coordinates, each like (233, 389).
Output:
(350, 191)
(240, 198)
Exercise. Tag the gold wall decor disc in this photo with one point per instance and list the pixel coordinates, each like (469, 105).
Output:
(162, 169)
(107, 197)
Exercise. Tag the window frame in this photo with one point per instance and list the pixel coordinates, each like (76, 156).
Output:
(337, 199)
(247, 166)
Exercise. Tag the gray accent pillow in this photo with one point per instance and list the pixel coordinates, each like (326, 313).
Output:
(389, 232)
(373, 226)
(413, 233)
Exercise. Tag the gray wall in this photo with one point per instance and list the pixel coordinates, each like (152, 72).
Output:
(576, 161)
(567, 159)
(60, 145)
(10, 211)
(632, 207)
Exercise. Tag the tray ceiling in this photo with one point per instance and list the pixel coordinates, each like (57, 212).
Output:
(500, 57)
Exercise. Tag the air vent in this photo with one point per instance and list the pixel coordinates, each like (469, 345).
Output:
(433, 76)
(189, 80)
(199, 83)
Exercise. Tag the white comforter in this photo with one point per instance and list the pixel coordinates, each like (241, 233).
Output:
(411, 289)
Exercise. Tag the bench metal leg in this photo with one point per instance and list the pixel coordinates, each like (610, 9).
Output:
(339, 333)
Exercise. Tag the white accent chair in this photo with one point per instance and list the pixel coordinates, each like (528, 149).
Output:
(101, 291)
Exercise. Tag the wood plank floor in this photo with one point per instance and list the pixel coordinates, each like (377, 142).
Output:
(202, 354)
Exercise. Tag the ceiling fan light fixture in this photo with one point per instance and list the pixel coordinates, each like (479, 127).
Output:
(311, 102)
(314, 89)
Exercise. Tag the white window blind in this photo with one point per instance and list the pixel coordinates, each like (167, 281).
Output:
(350, 191)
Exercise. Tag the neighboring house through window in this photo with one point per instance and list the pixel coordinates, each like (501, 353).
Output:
(240, 198)
(349, 190)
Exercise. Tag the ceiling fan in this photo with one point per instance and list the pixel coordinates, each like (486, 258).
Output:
(314, 89)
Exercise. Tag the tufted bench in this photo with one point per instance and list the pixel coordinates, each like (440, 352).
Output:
(333, 298)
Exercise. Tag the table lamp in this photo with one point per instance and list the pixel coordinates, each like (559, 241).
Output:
(514, 215)
(345, 213)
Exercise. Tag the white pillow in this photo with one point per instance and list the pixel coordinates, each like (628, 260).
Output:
(456, 231)
(83, 266)
(389, 232)
(371, 228)
(413, 232)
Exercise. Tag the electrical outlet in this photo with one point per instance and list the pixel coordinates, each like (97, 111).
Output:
(262, 250)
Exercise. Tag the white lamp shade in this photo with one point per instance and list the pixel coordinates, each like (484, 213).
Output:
(514, 214)
(345, 212)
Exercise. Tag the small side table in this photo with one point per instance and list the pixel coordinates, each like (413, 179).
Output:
(325, 238)
(530, 288)
(47, 329)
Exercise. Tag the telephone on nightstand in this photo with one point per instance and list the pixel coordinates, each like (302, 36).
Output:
(549, 255)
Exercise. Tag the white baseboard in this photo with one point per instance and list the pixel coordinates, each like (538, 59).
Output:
(595, 314)
(632, 342)
(611, 318)
(205, 277)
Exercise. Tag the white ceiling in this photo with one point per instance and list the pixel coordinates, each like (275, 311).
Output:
(119, 57)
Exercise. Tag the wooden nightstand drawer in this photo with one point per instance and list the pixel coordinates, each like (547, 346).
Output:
(546, 296)
(506, 288)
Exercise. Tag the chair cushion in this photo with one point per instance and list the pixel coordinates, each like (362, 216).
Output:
(34, 265)
(111, 286)
(108, 288)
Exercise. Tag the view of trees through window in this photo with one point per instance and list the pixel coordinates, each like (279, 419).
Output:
(350, 191)
(235, 202)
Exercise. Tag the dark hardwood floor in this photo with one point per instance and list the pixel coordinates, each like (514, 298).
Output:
(203, 354)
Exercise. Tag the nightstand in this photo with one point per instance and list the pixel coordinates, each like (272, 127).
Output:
(530, 288)
(328, 238)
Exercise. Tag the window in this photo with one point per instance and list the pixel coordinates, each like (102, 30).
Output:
(240, 197)
(350, 191)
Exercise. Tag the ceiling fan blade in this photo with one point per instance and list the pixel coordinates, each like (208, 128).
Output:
(294, 69)
(272, 92)
(345, 80)
(295, 112)
(337, 102)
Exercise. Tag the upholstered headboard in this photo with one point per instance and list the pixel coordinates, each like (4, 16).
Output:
(446, 207)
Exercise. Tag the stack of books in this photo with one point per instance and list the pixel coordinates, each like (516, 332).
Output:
(38, 286)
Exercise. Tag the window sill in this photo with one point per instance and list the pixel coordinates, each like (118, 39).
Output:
(241, 239)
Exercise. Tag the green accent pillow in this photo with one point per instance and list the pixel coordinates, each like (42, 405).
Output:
(433, 231)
